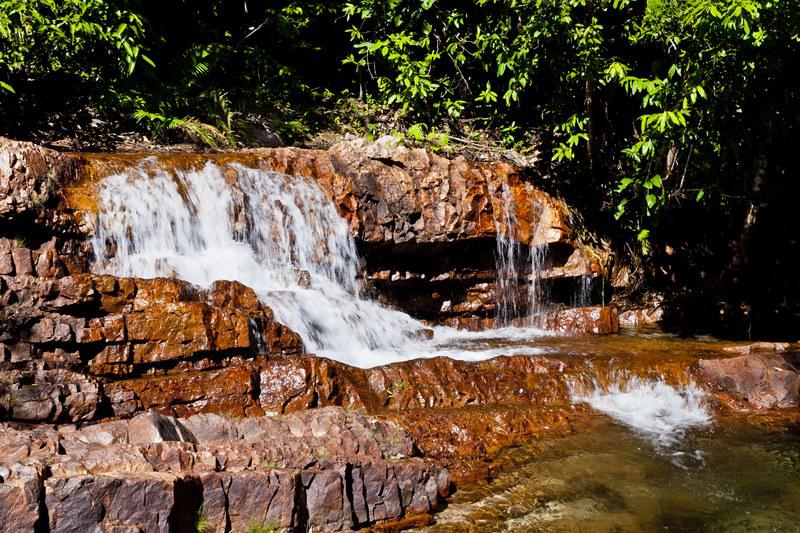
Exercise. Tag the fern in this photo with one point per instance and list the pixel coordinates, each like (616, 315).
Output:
(191, 126)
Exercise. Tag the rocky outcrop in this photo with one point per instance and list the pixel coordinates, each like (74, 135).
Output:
(757, 381)
(76, 348)
(402, 204)
(160, 389)
(31, 178)
(322, 470)
(599, 320)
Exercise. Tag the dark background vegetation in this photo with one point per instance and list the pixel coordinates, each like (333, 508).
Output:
(670, 124)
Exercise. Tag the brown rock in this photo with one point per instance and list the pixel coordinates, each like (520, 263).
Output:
(49, 396)
(6, 258)
(633, 318)
(227, 390)
(133, 502)
(175, 330)
(583, 321)
(329, 509)
(755, 381)
(29, 178)
(19, 499)
(149, 428)
(48, 262)
(155, 473)
(261, 498)
(756, 347)
(23, 261)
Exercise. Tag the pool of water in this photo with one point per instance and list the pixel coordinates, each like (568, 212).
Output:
(725, 477)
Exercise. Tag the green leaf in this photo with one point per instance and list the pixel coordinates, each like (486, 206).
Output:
(651, 200)
(700, 195)
(416, 132)
(7, 87)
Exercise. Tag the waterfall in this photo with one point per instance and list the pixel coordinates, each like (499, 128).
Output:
(517, 266)
(508, 258)
(278, 234)
(583, 292)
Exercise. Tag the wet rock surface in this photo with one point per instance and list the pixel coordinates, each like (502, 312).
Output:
(402, 204)
(86, 346)
(757, 381)
(119, 357)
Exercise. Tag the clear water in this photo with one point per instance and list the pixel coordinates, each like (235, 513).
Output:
(722, 478)
(279, 235)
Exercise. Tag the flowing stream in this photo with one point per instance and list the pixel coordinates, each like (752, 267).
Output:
(279, 235)
(282, 236)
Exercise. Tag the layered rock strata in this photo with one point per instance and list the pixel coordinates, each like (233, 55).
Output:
(402, 204)
(320, 470)
(79, 348)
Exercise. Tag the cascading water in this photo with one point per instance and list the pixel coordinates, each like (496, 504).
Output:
(515, 268)
(277, 234)
(583, 292)
(659, 412)
(508, 256)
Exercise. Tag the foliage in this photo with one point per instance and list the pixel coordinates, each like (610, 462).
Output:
(642, 108)
(90, 39)
(263, 528)
(203, 524)
(641, 99)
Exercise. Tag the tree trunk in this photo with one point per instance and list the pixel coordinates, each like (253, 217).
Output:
(758, 203)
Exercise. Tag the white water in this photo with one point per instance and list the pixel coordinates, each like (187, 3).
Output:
(659, 412)
(515, 268)
(279, 235)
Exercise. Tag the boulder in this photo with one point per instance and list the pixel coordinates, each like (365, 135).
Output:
(48, 396)
(21, 489)
(131, 502)
(757, 381)
(582, 321)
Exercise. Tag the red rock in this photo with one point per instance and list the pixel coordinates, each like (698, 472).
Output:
(227, 390)
(19, 500)
(23, 261)
(30, 176)
(156, 473)
(48, 396)
(248, 498)
(135, 502)
(583, 321)
(6, 259)
(756, 347)
(175, 330)
(640, 317)
(48, 261)
(759, 381)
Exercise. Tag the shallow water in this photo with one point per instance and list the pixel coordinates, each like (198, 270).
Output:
(721, 478)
